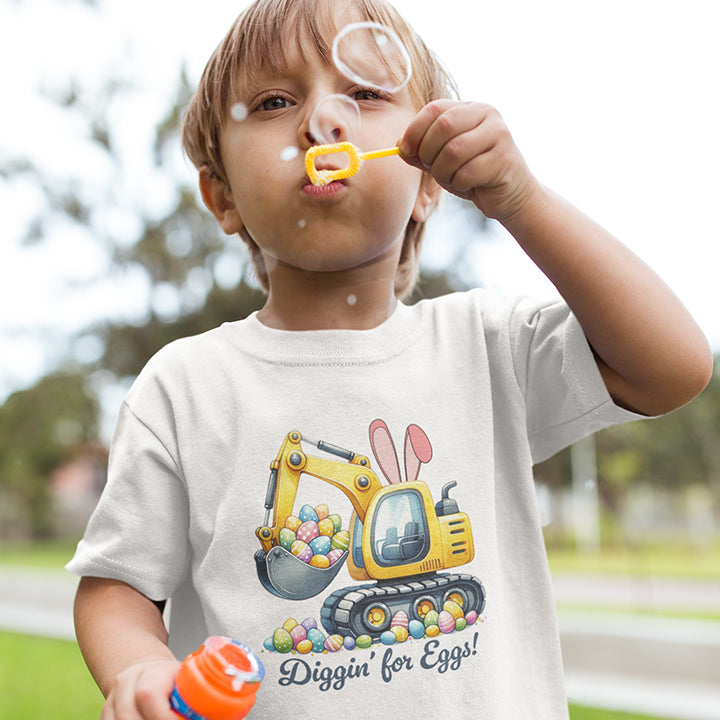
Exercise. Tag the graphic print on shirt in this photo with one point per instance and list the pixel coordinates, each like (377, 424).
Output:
(400, 545)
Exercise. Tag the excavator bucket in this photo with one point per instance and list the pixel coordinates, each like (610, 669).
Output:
(288, 577)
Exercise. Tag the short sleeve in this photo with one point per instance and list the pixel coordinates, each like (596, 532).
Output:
(139, 531)
(565, 395)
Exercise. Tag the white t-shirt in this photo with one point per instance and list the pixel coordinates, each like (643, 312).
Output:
(488, 387)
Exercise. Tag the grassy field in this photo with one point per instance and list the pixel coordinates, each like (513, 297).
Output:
(42, 678)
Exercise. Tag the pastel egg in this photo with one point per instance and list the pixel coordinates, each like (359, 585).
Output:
(309, 623)
(471, 617)
(298, 634)
(460, 624)
(349, 643)
(400, 619)
(400, 633)
(268, 644)
(333, 642)
(320, 545)
(286, 537)
(289, 624)
(432, 630)
(301, 550)
(317, 639)
(341, 540)
(363, 641)
(307, 512)
(282, 641)
(319, 561)
(304, 647)
(334, 555)
(322, 511)
(388, 638)
(416, 629)
(326, 527)
(308, 531)
(431, 618)
(292, 522)
(453, 608)
(336, 521)
(446, 622)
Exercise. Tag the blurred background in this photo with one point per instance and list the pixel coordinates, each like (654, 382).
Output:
(106, 255)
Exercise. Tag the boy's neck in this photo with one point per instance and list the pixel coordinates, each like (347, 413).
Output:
(322, 302)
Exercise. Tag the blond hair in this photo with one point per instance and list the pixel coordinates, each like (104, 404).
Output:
(259, 40)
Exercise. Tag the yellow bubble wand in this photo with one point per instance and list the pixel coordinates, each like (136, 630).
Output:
(357, 158)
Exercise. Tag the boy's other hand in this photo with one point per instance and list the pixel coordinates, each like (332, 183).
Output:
(142, 692)
(468, 149)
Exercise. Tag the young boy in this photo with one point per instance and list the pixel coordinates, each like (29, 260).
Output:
(440, 603)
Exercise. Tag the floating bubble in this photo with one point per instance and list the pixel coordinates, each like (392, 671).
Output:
(289, 153)
(302, 223)
(335, 118)
(351, 299)
(371, 54)
(239, 112)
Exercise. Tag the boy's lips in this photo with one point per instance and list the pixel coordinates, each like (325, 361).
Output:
(323, 191)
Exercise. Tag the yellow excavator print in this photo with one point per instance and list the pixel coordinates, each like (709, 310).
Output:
(399, 539)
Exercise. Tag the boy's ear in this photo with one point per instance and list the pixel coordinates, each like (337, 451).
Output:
(217, 197)
(427, 197)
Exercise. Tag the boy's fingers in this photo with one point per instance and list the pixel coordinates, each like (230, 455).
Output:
(415, 132)
(153, 689)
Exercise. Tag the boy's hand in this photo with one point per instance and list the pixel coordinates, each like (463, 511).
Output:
(142, 692)
(469, 151)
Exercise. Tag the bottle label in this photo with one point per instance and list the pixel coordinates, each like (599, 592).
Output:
(182, 708)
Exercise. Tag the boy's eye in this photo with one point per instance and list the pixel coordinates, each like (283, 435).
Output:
(366, 94)
(274, 103)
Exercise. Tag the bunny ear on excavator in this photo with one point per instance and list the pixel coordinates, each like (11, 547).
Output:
(383, 449)
(417, 450)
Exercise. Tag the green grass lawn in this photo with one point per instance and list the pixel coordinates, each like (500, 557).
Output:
(42, 678)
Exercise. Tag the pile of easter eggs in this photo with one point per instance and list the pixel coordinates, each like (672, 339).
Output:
(306, 637)
(315, 536)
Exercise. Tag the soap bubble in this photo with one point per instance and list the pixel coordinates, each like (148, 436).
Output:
(289, 153)
(351, 299)
(335, 118)
(239, 112)
(371, 54)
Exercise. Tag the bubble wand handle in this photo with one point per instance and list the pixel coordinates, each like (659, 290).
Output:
(387, 152)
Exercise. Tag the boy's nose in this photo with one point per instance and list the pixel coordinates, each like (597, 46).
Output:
(335, 118)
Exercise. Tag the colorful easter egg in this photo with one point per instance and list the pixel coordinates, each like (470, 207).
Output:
(268, 644)
(363, 642)
(292, 522)
(322, 511)
(341, 540)
(307, 512)
(289, 624)
(400, 619)
(453, 608)
(301, 550)
(432, 630)
(304, 647)
(320, 545)
(282, 641)
(319, 561)
(298, 634)
(400, 633)
(286, 537)
(333, 642)
(416, 629)
(388, 638)
(308, 531)
(460, 624)
(349, 643)
(446, 622)
(334, 555)
(326, 527)
(317, 639)
(309, 623)
(336, 521)
(471, 617)
(431, 618)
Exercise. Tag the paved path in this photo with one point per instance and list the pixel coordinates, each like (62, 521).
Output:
(665, 667)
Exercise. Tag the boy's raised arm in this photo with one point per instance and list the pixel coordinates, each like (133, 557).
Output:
(124, 643)
(651, 353)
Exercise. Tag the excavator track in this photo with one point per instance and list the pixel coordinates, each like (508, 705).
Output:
(369, 609)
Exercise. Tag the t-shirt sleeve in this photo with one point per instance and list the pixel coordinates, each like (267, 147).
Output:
(139, 531)
(565, 395)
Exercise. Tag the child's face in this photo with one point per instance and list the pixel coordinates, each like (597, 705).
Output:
(345, 224)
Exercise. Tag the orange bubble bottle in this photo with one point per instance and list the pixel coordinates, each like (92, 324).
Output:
(217, 682)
